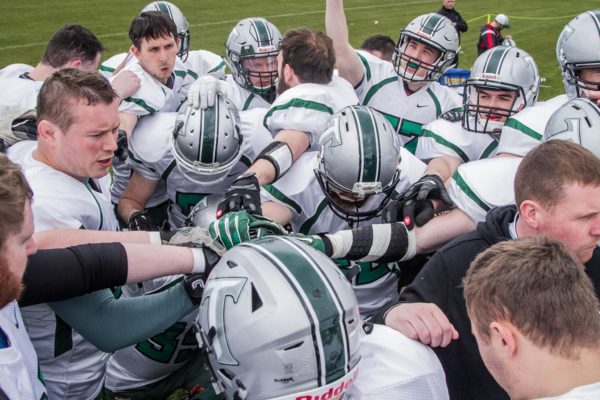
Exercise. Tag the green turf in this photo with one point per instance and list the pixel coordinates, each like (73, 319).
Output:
(26, 26)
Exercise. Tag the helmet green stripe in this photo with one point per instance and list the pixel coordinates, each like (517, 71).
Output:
(430, 25)
(369, 145)
(209, 140)
(263, 35)
(305, 275)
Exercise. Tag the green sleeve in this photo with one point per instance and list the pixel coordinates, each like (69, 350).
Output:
(111, 324)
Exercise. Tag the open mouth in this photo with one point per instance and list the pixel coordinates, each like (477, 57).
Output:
(105, 163)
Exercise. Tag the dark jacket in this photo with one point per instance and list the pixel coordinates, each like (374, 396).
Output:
(459, 23)
(440, 282)
(488, 37)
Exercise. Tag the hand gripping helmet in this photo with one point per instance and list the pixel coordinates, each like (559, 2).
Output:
(499, 68)
(577, 121)
(206, 144)
(359, 153)
(205, 211)
(183, 29)
(578, 48)
(437, 32)
(278, 320)
(252, 49)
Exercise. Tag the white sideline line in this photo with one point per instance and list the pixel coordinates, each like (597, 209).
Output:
(269, 17)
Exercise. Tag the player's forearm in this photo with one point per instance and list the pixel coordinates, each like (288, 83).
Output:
(347, 62)
(60, 238)
(152, 261)
(128, 121)
(128, 206)
(444, 166)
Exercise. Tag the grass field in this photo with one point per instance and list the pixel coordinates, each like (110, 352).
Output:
(26, 26)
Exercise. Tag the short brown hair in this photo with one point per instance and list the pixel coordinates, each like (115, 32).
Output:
(546, 170)
(536, 285)
(151, 25)
(14, 192)
(71, 42)
(67, 87)
(310, 54)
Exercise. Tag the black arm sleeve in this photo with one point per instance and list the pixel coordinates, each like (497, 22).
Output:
(461, 24)
(60, 274)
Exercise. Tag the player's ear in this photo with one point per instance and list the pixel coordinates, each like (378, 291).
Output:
(135, 51)
(74, 63)
(47, 131)
(531, 211)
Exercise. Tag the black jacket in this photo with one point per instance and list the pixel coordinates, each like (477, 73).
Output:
(459, 23)
(440, 282)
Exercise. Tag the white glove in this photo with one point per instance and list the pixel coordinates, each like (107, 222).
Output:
(204, 90)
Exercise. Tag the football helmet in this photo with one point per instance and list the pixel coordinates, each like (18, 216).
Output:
(577, 121)
(205, 211)
(499, 68)
(206, 143)
(434, 30)
(359, 154)
(183, 29)
(577, 48)
(252, 49)
(278, 320)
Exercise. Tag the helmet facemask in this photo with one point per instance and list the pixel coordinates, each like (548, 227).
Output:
(347, 204)
(407, 67)
(259, 74)
(184, 45)
(482, 118)
(572, 74)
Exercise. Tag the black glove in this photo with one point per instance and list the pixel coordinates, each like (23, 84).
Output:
(418, 208)
(194, 286)
(242, 195)
(139, 221)
(122, 145)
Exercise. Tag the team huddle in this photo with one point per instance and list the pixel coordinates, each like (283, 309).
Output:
(295, 198)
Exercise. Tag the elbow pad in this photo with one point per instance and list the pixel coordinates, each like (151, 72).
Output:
(279, 155)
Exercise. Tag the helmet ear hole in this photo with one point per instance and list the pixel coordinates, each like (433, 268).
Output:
(256, 301)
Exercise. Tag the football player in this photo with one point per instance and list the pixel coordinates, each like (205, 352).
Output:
(279, 321)
(67, 169)
(360, 165)
(406, 91)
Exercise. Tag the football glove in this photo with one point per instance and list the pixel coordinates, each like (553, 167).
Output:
(317, 242)
(194, 286)
(122, 145)
(140, 221)
(418, 208)
(242, 195)
(204, 90)
(238, 227)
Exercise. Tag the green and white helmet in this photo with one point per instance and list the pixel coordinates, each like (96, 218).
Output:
(499, 68)
(437, 32)
(577, 48)
(206, 143)
(183, 29)
(577, 121)
(359, 154)
(278, 320)
(205, 211)
(252, 49)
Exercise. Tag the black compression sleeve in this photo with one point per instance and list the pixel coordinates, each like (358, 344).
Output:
(60, 274)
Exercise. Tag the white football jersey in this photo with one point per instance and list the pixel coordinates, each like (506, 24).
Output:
(73, 367)
(15, 70)
(157, 357)
(477, 187)
(525, 130)
(444, 138)
(242, 98)
(20, 378)
(152, 158)
(383, 90)
(376, 285)
(585, 392)
(21, 92)
(393, 366)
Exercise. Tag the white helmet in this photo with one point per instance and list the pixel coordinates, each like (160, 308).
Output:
(205, 211)
(206, 143)
(499, 68)
(509, 42)
(435, 31)
(278, 320)
(255, 41)
(577, 48)
(359, 154)
(183, 29)
(577, 121)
